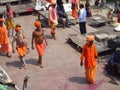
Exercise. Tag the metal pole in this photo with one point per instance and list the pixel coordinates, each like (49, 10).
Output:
(25, 82)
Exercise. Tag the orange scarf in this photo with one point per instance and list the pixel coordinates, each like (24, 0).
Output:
(89, 53)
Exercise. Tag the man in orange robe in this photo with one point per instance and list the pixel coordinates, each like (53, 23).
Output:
(5, 45)
(89, 54)
(21, 44)
(39, 38)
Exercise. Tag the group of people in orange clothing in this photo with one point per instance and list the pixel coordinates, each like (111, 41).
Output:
(6, 23)
(21, 42)
(89, 52)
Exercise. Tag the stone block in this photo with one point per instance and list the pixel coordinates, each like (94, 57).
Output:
(101, 37)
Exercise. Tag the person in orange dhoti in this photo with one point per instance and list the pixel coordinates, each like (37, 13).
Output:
(75, 8)
(9, 20)
(5, 46)
(53, 18)
(39, 38)
(89, 55)
(21, 44)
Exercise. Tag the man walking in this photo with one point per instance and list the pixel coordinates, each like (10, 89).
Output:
(21, 44)
(53, 18)
(9, 20)
(82, 19)
(89, 55)
(39, 38)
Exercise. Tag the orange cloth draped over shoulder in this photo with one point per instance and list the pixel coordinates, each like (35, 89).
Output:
(40, 48)
(89, 54)
(22, 51)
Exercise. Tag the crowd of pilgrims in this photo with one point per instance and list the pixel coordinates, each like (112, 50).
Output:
(56, 12)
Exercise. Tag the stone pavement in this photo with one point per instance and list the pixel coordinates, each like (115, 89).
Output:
(61, 63)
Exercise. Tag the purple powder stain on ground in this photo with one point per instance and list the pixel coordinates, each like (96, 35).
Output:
(95, 86)
(65, 86)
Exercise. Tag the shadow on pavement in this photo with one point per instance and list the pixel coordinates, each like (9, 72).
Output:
(2, 54)
(80, 80)
(32, 61)
(72, 35)
(49, 36)
(13, 63)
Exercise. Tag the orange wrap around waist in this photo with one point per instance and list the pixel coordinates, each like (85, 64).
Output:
(40, 48)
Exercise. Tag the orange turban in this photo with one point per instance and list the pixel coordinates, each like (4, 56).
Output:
(37, 23)
(17, 28)
(90, 38)
(1, 19)
(53, 2)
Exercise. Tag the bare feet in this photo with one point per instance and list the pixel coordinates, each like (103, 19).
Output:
(55, 38)
(41, 66)
(91, 83)
(9, 55)
(24, 66)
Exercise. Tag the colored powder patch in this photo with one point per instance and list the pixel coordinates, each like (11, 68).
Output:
(95, 86)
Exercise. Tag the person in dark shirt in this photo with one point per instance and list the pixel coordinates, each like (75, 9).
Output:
(61, 13)
(88, 9)
(59, 2)
(113, 64)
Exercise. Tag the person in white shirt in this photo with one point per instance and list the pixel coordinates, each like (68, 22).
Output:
(38, 5)
(82, 19)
